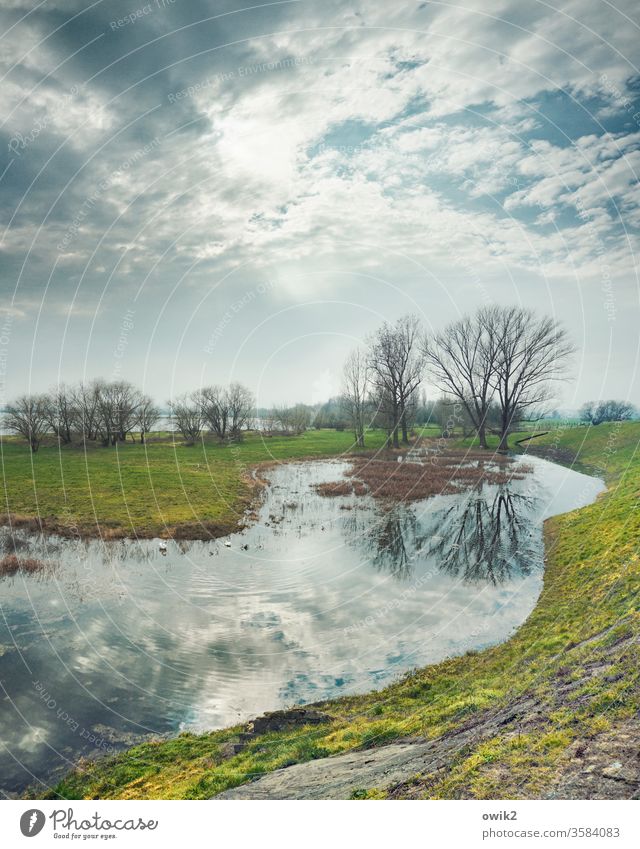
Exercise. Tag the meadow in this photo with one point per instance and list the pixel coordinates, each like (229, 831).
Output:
(164, 487)
(564, 688)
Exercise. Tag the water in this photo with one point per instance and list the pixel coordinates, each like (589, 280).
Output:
(321, 597)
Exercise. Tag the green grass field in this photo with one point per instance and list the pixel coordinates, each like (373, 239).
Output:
(162, 487)
(588, 607)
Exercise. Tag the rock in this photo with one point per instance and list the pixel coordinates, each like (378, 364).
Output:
(338, 777)
(612, 769)
(619, 772)
(280, 720)
(247, 736)
(230, 748)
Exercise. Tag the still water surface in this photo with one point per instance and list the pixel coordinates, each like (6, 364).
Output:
(320, 597)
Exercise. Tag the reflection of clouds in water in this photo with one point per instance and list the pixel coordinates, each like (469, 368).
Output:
(319, 601)
(34, 738)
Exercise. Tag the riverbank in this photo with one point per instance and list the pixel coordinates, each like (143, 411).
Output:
(164, 488)
(548, 713)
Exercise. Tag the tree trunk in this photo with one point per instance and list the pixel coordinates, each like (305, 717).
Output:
(504, 433)
(482, 436)
(405, 435)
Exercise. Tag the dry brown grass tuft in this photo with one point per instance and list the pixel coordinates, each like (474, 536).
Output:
(344, 487)
(445, 474)
(11, 564)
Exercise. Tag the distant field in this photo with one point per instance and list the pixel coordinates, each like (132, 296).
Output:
(163, 487)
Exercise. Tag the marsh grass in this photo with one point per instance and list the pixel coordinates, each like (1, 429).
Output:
(338, 488)
(399, 477)
(163, 488)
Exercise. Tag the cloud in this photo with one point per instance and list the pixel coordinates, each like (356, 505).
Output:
(202, 139)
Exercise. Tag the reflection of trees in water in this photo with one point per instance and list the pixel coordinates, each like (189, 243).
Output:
(480, 538)
(392, 541)
(389, 538)
(486, 540)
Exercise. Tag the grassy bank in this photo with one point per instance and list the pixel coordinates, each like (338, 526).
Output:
(571, 674)
(162, 488)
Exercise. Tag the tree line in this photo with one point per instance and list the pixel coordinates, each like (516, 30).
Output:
(97, 411)
(110, 412)
(597, 412)
(224, 411)
(494, 367)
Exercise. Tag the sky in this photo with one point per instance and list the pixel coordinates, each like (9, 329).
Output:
(198, 192)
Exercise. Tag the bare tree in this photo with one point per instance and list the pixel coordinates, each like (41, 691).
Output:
(215, 409)
(188, 416)
(299, 417)
(607, 411)
(462, 362)
(294, 419)
(531, 353)
(27, 417)
(61, 412)
(105, 413)
(384, 378)
(240, 404)
(128, 400)
(146, 416)
(452, 417)
(396, 365)
(270, 421)
(117, 404)
(355, 379)
(383, 411)
(85, 400)
(410, 368)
